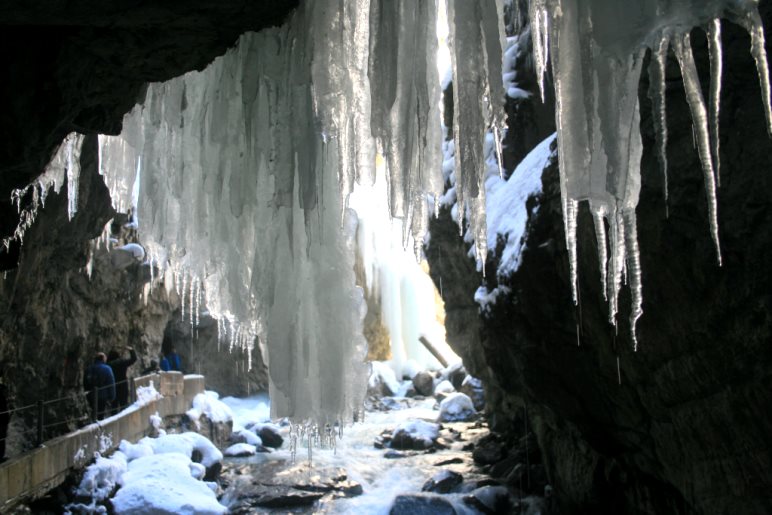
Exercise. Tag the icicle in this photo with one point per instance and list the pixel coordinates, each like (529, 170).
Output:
(633, 270)
(183, 289)
(658, 102)
(537, 12)
(599, 214)
(716, 65)
(683, 50)
(73, 143)
(570, 208)
(619, 372)
(499, 157)
(751, 20)
(616, 261)
(191, 301)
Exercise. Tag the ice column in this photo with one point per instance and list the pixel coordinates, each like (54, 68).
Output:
(245, 171)
(405, 115)
(476, 43)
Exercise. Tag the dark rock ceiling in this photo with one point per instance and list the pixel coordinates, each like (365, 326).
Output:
(80, 65)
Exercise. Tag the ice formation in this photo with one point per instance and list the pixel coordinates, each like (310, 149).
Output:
(596, 48)
(246, 168)
(64, 166)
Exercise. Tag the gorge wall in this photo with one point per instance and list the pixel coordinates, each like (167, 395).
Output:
(80, 67)
(683, 426)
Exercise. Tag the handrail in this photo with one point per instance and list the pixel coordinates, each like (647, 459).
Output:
(73, 396)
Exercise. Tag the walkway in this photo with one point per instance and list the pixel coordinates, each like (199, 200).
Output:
(39, 470)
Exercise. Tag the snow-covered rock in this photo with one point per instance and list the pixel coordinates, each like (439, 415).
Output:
(163, 484)
(415, 434)
(382, 381)
(246, 436)
(240, 449)
(209, 404)
(185, 444)
(456, 407)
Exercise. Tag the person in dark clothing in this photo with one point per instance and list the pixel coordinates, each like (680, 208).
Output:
(120, 366)
(5, 417)
(99, 382)
(172, 361)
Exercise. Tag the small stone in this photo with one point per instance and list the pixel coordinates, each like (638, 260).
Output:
(391, 454)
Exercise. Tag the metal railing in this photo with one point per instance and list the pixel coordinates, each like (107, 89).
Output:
(40, 406)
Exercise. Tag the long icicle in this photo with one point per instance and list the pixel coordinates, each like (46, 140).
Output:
(658, 103)
(599, 213)
(751, 20)
(716, 69)
(633, 260)
(683, 50)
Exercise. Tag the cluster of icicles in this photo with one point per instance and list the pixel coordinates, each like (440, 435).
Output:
(597, 48)
(246, 167)
(314, 435)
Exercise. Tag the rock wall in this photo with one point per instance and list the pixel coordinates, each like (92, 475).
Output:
(53, 317)
(686, 430)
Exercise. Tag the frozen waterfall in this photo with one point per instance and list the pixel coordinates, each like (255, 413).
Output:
(246, 167)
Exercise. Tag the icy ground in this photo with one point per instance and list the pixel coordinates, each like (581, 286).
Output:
(382, 479)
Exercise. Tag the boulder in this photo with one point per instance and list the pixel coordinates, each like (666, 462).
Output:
(424, 383)
(456, 407)
(270, 435)
(443, 482)
(491, 499)
(415, 434)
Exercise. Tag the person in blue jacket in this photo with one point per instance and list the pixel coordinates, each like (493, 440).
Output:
(172, 361)
(99, 381)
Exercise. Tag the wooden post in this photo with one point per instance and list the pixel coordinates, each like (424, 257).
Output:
(433, 350)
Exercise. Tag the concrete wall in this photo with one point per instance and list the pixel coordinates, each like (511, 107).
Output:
(34, 473)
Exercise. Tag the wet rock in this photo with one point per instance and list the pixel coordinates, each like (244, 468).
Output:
(489, 450)
(272, 496)
(391, 454)
(451, 461)
(491, 499)
(415, 434)
(270, 435)
(443, 482)
(274, 486)
(424, 383)
(504, 467)
(457, 407)
(421, 504)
